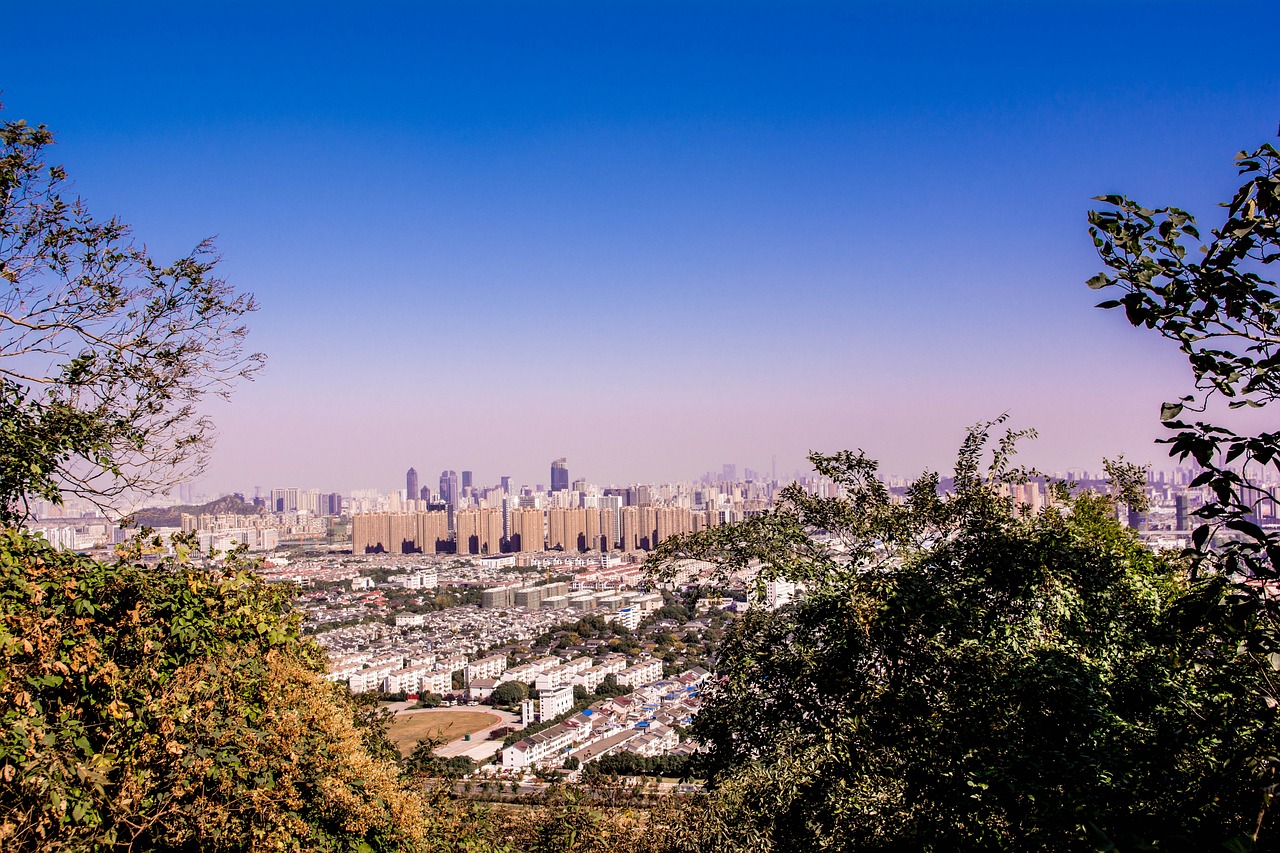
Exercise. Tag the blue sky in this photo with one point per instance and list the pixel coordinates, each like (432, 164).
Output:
(654, 237)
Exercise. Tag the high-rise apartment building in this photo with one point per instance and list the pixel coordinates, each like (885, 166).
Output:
(610, 531)
(399, 532)
(568, 529)
(526, 530)
(284, 500)
(560, 475)
(630, 524)
(593, 540)
(478, 531)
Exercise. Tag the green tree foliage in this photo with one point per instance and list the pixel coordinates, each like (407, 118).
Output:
(105, 354)
(509, 693)
(610, 688)
(424, 760)
(1212, 300)
(167, 707)
(678, 612)
(630, 764)
(964, 676)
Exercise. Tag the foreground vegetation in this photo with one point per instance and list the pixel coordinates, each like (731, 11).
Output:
(963, 677)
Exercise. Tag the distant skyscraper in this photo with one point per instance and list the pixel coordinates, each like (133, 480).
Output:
(449, 487)
(506, 485)
(449, 493)
(559, 475)
(466, 479)
(411, 484)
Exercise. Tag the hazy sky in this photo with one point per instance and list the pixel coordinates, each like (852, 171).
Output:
(651, 237)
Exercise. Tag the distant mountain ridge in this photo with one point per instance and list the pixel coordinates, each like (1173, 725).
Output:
(171, 516)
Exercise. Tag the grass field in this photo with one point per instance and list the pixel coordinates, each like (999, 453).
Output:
(407, 729)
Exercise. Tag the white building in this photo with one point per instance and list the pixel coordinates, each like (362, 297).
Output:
(487, 667)
(552, 742)
(778, 593)
(549, 705)
(628, 617)
(646, 672)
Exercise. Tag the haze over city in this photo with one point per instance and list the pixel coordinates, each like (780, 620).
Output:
(653, 238)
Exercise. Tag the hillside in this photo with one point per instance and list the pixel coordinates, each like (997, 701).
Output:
(171, 516)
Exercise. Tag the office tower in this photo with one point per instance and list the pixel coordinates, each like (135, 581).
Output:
(1180, 510)
(560, 475)
(729, 473)
(506, 485)
(449, 492)
(466, 480)
(411, 485)
(449, 487)
(425, 494)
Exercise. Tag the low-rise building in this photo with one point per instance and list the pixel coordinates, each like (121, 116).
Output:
(491, 666)
(645, 672)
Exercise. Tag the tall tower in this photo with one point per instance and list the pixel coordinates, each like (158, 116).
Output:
(449, 493)
(411, 485)
(466, 480)
(449, 487)
(559, 475)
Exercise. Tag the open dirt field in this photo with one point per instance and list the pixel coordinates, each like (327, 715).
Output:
(408, 728)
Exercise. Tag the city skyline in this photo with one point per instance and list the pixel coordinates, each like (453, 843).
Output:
(652, 238)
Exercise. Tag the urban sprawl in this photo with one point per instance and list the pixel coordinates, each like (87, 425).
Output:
(445, 596)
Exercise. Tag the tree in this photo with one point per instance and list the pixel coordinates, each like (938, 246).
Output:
(1212, 301)
(105, 353)
(509, 693)
(171, 708)
(963, 675)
